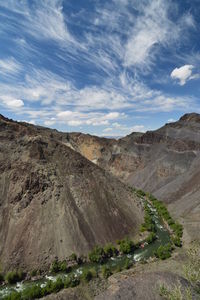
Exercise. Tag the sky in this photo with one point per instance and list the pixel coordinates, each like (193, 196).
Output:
(104, 67)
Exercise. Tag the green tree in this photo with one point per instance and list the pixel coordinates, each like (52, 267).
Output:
(15, 276)
(110, 250)
(97, 255)
(126, 246)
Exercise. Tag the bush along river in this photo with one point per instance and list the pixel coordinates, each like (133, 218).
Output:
(161, 234)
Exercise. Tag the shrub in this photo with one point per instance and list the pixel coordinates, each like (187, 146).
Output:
(15, 276)
(94, 272)
(170, 222)
(126, 246)
(164, 252)
(97, 255)
(71, 281)
(177, 241)
(127, 264)
(55, 267)
(73, 256)
(1, 278)
(140, 193)
(48, 289)
(63, 266)
(110, 250)
(32, 293)
(68, 282)
(13, 296)
(75, 282)
(57, 285)
(86, 275)
(106, 271)
(142, 227)
(58, 266)
(178, 229)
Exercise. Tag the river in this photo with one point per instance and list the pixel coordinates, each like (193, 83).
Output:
(163, 237)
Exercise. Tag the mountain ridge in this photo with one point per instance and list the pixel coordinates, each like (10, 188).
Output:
(163, 162)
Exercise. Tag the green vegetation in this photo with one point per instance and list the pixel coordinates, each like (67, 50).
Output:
(140, 193)
(14, 276)
(106, 271)
(164, 252)
(174, 294)
(110, 250)
(176, 241)
(73, 256)
(149, 224)
(97, 255)
(127, 264)
(175, 226)
(192, 274)
(87, 275)
(36, 292)
(71, 281)
(59, 266)
(1, 278)
(126, 246)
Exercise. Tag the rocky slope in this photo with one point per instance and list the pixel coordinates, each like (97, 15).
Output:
(54, 201)
(165, 162)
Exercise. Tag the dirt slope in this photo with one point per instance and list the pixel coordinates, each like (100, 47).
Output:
(53, 201)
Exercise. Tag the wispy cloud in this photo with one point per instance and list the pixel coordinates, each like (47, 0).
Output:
(153, 30)
(9, 66)
(88, 68)
(42, 19)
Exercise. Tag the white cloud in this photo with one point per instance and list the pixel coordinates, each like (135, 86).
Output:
(183, 74)
(92, 118)
(56, 96)
(12, 103)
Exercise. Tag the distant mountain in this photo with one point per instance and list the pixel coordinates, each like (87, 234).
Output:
(54, 201)
(165, 162)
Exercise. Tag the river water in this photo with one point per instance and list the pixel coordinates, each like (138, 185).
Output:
(163, 238)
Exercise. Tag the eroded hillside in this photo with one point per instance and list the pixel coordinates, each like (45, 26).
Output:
(53, 201)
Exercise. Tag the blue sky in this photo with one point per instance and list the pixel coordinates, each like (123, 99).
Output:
(103, 67)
